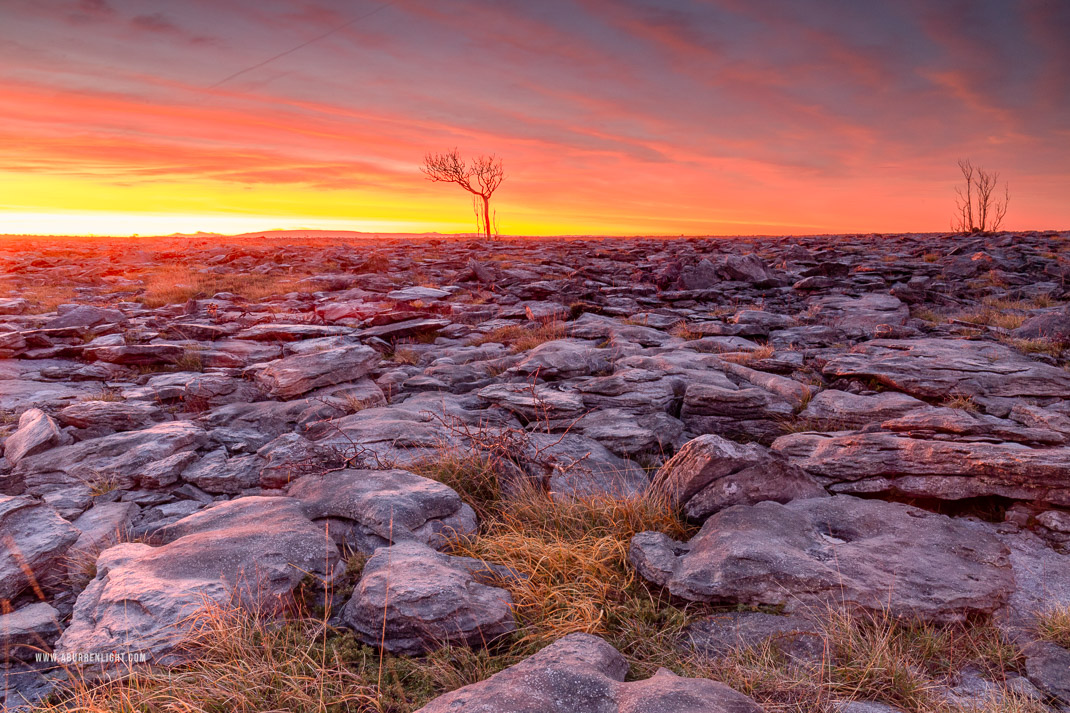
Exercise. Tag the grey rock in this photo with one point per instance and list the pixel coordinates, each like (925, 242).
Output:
(217, 473)
(37, 432)
(298, 374)
(99, 527)
(412, 599)
(109, 416)
(581, 673)
(28, 631)
(720, 634)
(937, 368)
(711, 473)
(35, 539)
(147, 599)
(572, 466)
(75, 315)
(1046, 667)
(869, 554)
(950, 470)
(368, 509)
(843, 410)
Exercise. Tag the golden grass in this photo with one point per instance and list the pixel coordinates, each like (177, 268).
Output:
(1038, 345)
(521, 338)
(964, 403)
(992, 317)
(744, 358)
(573, 554)
(175, 284)
(242, 662)
(868, 656)
(1053, 624)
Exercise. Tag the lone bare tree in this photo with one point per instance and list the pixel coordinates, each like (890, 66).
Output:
(977, 207)
(481, 178)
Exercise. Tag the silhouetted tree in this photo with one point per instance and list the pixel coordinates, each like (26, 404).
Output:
(481, 179)
(978, 209)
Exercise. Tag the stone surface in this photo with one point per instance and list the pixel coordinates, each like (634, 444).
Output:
(425, 600)
(147, 598)
(28, 631)
(298, 374)
(37, 432)
(33, 540)
(809, 554)
(581, 673)
(368, 509)
(711, 473)
(938, 368)
(949, 470)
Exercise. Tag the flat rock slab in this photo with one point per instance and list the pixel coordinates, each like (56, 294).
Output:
(250, 551)
(948, 470)
(292, 376)
(711, 473)
(369, 509)
(412, 599)
(870, 554)
(937, 368)
(581, 673)
(721, 634)
(842, 410)
(33, 539)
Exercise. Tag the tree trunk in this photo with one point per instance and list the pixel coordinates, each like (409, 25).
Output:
(486, 215)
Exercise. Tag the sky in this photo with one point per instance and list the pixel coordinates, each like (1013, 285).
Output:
(614, 117)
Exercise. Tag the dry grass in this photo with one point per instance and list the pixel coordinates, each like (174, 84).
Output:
(406, 356)
(931, 257)
(868, 657)
(683, 331)
(964, 403)
(1053, 624)
(989, 316)
(175, 284)
(764, 352)
(926, 315)
(521, 338)
(1039, 345)
(573, 554)
(242, 663)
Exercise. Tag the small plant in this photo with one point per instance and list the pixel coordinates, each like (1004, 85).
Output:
(962, 402)
(406, 356)
(931, 257)
(521, 338)
(1053, 624)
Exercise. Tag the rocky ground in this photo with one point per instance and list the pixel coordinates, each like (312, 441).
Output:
(863, 426)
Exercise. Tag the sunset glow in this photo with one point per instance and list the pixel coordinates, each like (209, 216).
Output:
(634, 117)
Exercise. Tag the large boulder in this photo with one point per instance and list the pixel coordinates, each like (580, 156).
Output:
(581, 673)
(368, 509)
(33, 541)
(894, 463)
(249, 552)
(37, 432)
(838, 551)
(412, 599)
(711, 473)
(937, 368)
(294, 375)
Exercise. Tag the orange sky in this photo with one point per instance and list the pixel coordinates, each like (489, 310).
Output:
(612, 117)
